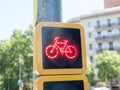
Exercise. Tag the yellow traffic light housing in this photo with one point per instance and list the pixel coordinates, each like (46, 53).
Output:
(59, 48)
(35, 12)
(65, 82)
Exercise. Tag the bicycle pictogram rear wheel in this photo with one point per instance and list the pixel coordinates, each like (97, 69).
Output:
(72, 53)
(51, 52)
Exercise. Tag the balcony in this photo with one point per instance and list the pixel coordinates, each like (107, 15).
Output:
(108, 37)
(110, 48)
(105, 26)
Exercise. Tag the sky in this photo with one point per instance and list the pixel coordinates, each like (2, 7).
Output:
(18, 14)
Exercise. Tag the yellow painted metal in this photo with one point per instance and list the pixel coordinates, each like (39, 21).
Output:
(38, 49)
(38, 84)
(35, 12)
(34, 53)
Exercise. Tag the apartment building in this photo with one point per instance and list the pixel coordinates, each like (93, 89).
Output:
(111, 3)
(102, 31)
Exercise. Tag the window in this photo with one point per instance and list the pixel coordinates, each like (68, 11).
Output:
(119, 31)
(99, 34)
(89, 35)
(89, 24)
(110, 45)
(109, 33)
(100, 46)
(118, 20)
(98, 24)
(108, 22)
(91, 59)
(90, 46)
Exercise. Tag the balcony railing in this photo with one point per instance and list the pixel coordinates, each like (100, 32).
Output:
(108, 37)
(111, 48)
(112, 25)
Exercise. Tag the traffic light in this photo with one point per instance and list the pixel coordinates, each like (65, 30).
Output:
(70, 82)
(35, 57)
(59, 48)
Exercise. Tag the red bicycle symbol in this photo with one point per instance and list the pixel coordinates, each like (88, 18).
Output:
(63, 48)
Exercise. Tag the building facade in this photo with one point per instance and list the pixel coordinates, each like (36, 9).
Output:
(102, 31)
(111, 3)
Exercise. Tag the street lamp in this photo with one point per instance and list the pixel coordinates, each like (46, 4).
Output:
(20, 80)
(20, 57)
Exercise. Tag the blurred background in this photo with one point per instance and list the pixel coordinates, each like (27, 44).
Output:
(101, 21)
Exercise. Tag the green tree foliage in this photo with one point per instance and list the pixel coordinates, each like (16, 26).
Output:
(108, 64)
(20, 44)
(89, 73)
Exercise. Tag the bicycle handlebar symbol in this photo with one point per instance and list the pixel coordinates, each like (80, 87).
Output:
(61, 47)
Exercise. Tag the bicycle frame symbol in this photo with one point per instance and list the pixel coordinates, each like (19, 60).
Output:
(61, 47)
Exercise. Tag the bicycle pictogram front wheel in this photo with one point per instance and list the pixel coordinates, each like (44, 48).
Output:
(72, 54)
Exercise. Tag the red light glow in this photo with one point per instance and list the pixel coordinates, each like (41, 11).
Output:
(61, 48)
